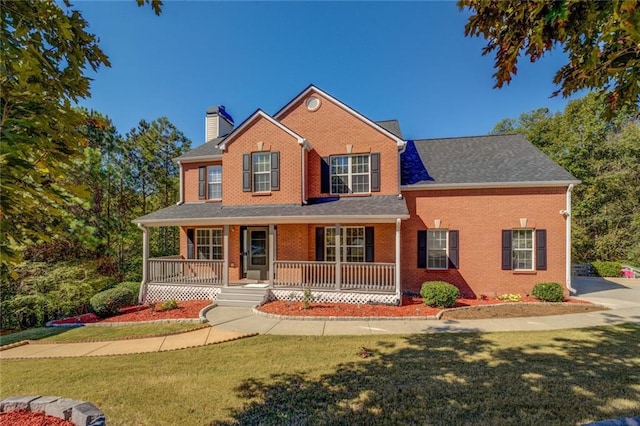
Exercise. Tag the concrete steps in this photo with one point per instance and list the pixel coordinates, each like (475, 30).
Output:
(241, 296)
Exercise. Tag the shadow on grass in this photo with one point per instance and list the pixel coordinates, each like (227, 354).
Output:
(32, 334)
(500, 378)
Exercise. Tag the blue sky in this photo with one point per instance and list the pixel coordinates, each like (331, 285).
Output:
(403, 60)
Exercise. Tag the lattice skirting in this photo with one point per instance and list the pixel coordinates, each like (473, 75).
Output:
(334, 296)
(162, 292)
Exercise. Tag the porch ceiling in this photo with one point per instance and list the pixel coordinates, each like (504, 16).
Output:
(374, 209)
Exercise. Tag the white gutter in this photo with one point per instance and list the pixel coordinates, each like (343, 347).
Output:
(198, 159)
(265, 220)
(567, 215)
(489, 185)
(181, 201)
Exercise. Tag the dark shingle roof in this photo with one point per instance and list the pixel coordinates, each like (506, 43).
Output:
(386, 206)
(478, 160)
(391, 126)
(206, 149)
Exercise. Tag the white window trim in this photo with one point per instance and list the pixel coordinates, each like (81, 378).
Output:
(210, 245)
(209, 183)
(343, 246)
(254, 173)
(350, 174)
(532, 250)
(446, 231)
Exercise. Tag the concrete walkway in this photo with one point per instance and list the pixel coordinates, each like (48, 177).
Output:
(622, 296)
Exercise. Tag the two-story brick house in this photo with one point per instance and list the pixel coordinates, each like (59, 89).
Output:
(319, 196)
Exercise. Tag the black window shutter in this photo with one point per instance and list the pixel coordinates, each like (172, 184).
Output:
(275, 171)
(319, 244)
(506, 249)
(202, 173)
(190, 245)
(368, 244)
(422, 249)
(246, 172)
(453, 249)
(375, 172)
(541, 249)
(325, 175)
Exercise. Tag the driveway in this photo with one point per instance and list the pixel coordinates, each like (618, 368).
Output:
(614, 293)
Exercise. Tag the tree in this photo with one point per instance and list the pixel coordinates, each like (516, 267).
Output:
(45, 49)
(601, 40)
(605, 156)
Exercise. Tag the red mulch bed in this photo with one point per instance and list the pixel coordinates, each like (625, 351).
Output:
(140, 313)
(28, 418)
(411, 307)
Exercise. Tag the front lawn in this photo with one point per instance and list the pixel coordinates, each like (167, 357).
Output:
(551, 377)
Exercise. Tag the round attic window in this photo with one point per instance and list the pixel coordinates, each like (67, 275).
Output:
(312, 103)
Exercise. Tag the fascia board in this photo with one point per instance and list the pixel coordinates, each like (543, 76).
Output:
(278, 220)
(198, 159)
(489, 185)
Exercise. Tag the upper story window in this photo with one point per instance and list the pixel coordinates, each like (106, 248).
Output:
(261, 172)
(261, 166)
(214, 182)
(210, 182)
(350, 174)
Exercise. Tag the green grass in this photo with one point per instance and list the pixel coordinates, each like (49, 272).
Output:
(81, 334)
(533, 378)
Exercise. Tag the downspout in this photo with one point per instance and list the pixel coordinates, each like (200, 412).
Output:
(567, 214)
(397, 268)
(181, 201)
(303, 177)
(145, 262)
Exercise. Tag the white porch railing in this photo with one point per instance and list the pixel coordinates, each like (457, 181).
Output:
(176, 270)
(322, 275)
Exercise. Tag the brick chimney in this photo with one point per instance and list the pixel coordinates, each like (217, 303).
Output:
(217, 122)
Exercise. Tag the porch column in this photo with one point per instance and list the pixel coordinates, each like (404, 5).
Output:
(397, 271)
(145, 263)
(271, 270)
(338, 257)
(225, 255)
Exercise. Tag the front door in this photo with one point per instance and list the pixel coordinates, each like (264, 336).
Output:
(257, 252)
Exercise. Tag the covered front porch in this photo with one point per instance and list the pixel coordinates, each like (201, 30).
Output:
(338, 249)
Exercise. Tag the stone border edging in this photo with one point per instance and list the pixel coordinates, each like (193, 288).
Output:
(334, 318)
(80, 413)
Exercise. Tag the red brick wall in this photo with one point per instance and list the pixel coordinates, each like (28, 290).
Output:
(329, 130)
(274, 139)
(480, 215)
(190, 171)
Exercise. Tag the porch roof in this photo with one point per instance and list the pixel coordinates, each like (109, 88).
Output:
(374, 209)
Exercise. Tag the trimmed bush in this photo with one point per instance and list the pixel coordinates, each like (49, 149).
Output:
(134, 287)
(439, 294)
(607, 269)
(109, 302)
(548, 292)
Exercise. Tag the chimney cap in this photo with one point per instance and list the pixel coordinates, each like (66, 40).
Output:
(219, 110)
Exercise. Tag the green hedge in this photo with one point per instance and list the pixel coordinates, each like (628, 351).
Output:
(548, 292)
(607, 269)
(134, 287)
(109, 302)
(439, 294)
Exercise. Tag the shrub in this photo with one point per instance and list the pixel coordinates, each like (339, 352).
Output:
(439, 294)
(307, 298)
(548, 292)
(134, 287)
(109, 302)
(166, 305)
(607, 269)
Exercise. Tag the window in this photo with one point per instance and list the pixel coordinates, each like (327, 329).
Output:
(522, 249)
(214, 181)
(352, 244)
(261, 171)
(437, 249)
(350, 174)
(209, 244)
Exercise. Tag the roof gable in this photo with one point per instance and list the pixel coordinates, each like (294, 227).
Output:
(254, 118)
(312, 89)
